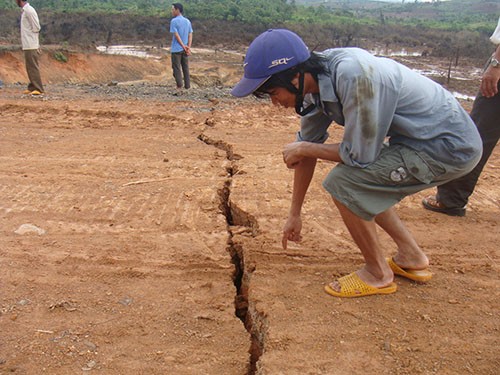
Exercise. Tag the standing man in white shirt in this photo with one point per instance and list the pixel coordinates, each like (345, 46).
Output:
(452, 197)
(30, 29)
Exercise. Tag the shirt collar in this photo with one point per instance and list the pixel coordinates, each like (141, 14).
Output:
(326, 89)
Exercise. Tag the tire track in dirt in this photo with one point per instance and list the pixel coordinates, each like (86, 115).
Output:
(135, 242)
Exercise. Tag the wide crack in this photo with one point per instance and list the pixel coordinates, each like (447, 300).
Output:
(254, 322)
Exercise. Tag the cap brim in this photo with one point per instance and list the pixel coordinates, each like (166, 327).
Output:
(246, 86)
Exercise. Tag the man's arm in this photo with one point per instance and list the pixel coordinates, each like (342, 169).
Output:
(295, 152)
(186, 48)
(491, 76)
(190, 41)
(302, 157)
(179, 40)
(34, 22)
(304, 172)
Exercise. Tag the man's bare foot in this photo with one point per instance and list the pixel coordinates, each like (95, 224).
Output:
(412, 262)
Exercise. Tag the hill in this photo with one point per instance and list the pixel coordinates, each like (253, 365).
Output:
(472, 15)
(442, 29)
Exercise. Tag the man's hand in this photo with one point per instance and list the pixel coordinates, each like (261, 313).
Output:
(292, 155)
(291, 231)
(489, 83)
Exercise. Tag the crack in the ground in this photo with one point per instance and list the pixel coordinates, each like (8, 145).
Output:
(255, 322)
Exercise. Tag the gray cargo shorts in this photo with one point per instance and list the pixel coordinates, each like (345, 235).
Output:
(398, 172)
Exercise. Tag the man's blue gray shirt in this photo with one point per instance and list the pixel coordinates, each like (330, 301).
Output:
(377, 99)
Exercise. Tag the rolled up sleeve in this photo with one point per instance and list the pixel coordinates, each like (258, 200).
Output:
(314, 126)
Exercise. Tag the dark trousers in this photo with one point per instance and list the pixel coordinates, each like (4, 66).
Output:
(33, 69)
(180, 66)
(486, 115)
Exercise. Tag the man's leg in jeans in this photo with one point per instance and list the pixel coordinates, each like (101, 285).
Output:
(176, 67)
(185, 70)
(486, 115)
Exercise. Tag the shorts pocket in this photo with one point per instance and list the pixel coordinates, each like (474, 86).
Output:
(422, 166)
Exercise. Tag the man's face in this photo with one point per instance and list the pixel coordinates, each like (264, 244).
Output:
(281, 97)
(175, 12)
(19, 3)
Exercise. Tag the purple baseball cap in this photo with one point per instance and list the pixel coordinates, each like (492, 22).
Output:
(273, 51)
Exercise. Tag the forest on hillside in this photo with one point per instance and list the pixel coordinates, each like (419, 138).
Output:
(457, 15)
(444, 28)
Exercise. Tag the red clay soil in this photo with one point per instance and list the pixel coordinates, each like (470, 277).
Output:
(154, 246)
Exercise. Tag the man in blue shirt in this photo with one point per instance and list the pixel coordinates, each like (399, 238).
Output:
(403, 133)
(182, 37)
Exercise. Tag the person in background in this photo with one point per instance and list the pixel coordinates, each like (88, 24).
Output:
(182, 37)
(30, 29)
(452, 197)
(431, 140)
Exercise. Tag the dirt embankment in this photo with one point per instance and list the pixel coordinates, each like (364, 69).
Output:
(209, 67)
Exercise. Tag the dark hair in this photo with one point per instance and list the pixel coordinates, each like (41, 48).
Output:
(178, 6)
(313, 65)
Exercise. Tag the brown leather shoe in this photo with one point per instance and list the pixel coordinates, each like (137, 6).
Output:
(431, 203)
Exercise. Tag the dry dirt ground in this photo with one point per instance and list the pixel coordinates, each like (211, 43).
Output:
(140, 234)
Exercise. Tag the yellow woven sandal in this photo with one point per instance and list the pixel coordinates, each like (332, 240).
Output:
(420, 276)
(352, 286)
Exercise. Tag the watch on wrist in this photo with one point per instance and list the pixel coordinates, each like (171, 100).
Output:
(494, 62)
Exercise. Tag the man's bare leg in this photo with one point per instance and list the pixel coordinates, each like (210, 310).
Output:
(376, 271)
(409, 254)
